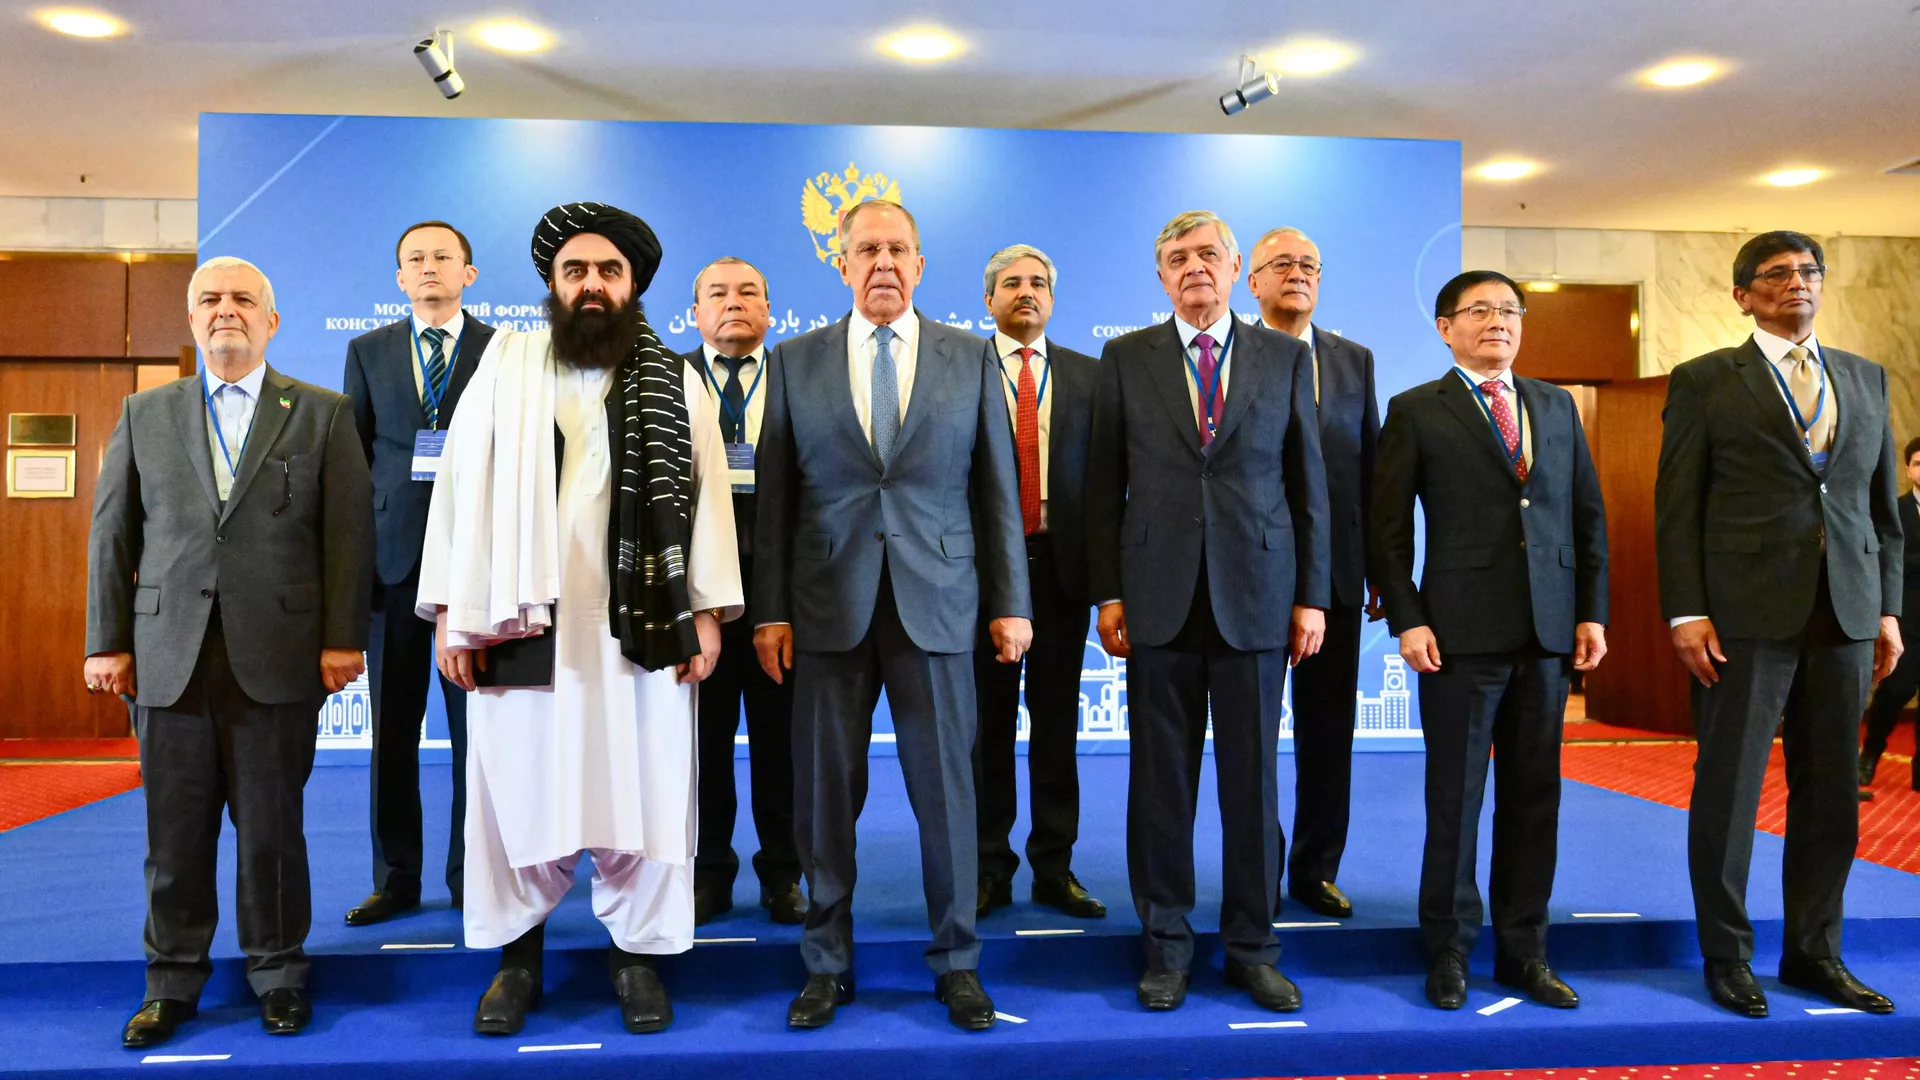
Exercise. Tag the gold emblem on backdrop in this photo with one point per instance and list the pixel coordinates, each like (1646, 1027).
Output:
(827, 196)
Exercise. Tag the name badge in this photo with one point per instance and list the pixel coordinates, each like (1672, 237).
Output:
(740, 467)
(427, 448)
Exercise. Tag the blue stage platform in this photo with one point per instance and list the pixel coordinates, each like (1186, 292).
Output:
(70, 970)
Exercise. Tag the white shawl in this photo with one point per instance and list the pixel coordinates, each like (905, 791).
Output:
(492, 552)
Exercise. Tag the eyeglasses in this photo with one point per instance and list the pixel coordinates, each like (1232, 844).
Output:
(1284, 266)
(1780, 275)
(1483, 312)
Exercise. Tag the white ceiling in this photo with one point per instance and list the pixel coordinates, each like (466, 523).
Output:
(1827, 83)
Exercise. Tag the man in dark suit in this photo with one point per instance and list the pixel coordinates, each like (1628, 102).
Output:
(1286, 280)
(1207, 552)
(405, 380)
(1515, 581)
(1049, 392)
(227, 582)
(730, 309)
(1780, 574)
(889, 528)
(1897, 689)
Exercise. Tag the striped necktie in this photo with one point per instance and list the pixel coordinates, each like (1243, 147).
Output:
(436, 387)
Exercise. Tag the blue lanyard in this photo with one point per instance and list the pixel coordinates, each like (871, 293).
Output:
(1210, 393)
(214, 419)
(1819, 403)
(740, 421)
(436, 392)
(1519, 451)
(1046, 372)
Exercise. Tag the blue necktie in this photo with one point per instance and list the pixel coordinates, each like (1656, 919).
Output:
(886, 397)
(436, 373)
(733, 416)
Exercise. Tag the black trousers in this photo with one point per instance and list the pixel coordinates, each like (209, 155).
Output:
(1514, 705)
(1168, 690)
(1892, 695)
(1053, 710)
(213, 749)
(1323, 716)
(1811, 687)
(399, 668)
(736, 681)
(931, 697)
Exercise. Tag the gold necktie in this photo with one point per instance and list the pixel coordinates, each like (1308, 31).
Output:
(1804, 381)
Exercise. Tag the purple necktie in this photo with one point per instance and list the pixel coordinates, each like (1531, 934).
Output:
(1208, 380)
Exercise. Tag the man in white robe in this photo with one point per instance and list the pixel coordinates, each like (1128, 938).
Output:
(576, 628)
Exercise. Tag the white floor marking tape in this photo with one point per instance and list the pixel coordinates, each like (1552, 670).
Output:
(437, 945)
(1268, 1024)
(1830, 1012)
(176, 1059)
(1045, 933)
(1499, 1006)
(1010, 1018)
(567, 1046)
(724, 940)
(1303, 925)
(1606, 914)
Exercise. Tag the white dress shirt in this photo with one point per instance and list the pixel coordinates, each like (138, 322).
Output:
(234, 404)
(1221, 329)
(1313, 353)
(749, 374)
(863, 346)
(453, 327)
(1009, 352)
(1512, 397)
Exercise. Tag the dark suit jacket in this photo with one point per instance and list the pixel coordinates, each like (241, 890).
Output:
(1071, 383)
(288, 556)
(1349, 438)
(744, 503)
(1910, 571)
(1252, 507)
(1508, 565)
(830, 517)
(387, 411)
(1739, 512)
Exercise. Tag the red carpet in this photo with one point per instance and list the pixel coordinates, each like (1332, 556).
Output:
(69, 749)
(29, 792)
(1855, 1069)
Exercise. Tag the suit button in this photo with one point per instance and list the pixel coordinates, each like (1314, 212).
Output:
(208, 593)
(221, 538)
(886, 483)
(880, 536)
(1823, 489)
(1524, 504)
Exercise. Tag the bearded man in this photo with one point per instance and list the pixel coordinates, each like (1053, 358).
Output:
(579, 561)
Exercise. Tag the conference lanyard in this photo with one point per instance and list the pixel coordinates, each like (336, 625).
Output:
(1819, 403)
(214, 419)
(435, 392)
(1046, 372)
(740, 419)
(1210, 392)
(1519, 451)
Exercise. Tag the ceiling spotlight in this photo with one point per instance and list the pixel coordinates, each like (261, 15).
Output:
(1308, 58)
(1793, 177)
(508, 36)
(83, 24)
(1506, 170)
(1254, 87)
(1675, 74)
(922, 45)
(436, 55)
(1541, 286)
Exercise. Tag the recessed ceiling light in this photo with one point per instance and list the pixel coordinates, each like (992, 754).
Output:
(1541, 286)
(1308, 58)
(922, 45)
(1793, 177)
(75, 22)
(1675, 74)
(1507, 169)
(511, 36)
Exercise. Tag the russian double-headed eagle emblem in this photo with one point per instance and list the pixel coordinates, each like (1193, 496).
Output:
(825, 197)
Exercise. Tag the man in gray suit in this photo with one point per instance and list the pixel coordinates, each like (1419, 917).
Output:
(229, 575)
(889, 528)
(1778, 532)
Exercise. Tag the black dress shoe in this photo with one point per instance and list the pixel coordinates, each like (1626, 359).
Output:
(1066, 895)
(1868, 766)
(1732, 986)
(384, 904)
(710, 902)
(1537, 980)
(285, 1011)
(459, 902)
(995, 892)
(1323, 898)
(644, 1005)
(784, 903)
(814, 1006)
(154, 1023)
(1161, 989)
(1447, 981)
(968, 1006)
(504, 1007)
(1268, 988)
(1831, 980)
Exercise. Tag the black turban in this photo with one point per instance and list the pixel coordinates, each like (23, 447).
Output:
(628, 233)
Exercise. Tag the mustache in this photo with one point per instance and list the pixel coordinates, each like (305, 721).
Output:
(597, 339)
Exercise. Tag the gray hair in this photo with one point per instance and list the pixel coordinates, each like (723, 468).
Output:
(731, 260)
(846, 219)
(1284, 230)
(1182, 224)
(222, 262)
(1007, 256)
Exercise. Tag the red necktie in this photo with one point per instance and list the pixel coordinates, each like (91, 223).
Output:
(1026, 442)
(1208, 379)
(1503, 419)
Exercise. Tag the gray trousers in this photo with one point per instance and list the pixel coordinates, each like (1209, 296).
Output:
(932, 700)
(213, 749)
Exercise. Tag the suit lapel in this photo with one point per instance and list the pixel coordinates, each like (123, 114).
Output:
(1249, 364)
(1460, 401)
(1533, 426)
(1841, 397)
(836, 388)
(190, 412)
(269, 416)
(933, 365)
(1168, 366)
(473, 344)
(401, 373)
(1758, 374)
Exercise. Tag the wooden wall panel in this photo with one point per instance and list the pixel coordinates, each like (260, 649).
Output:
(157, 305)
(63, 306)
(1581, 334)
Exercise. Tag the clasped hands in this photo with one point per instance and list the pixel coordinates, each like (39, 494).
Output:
(458, 664)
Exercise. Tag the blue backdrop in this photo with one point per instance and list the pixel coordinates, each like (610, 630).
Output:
(318, 201)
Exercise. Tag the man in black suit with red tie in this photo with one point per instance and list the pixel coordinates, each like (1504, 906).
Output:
(1778, 532)
(1286, 280)
(1513, 593)
(1897, 689)
(405, 380)
(1207, 553)
(1050, 400)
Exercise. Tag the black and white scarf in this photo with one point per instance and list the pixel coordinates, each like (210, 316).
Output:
(650, 525)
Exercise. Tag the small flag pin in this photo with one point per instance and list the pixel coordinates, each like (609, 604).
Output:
(286, 403)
